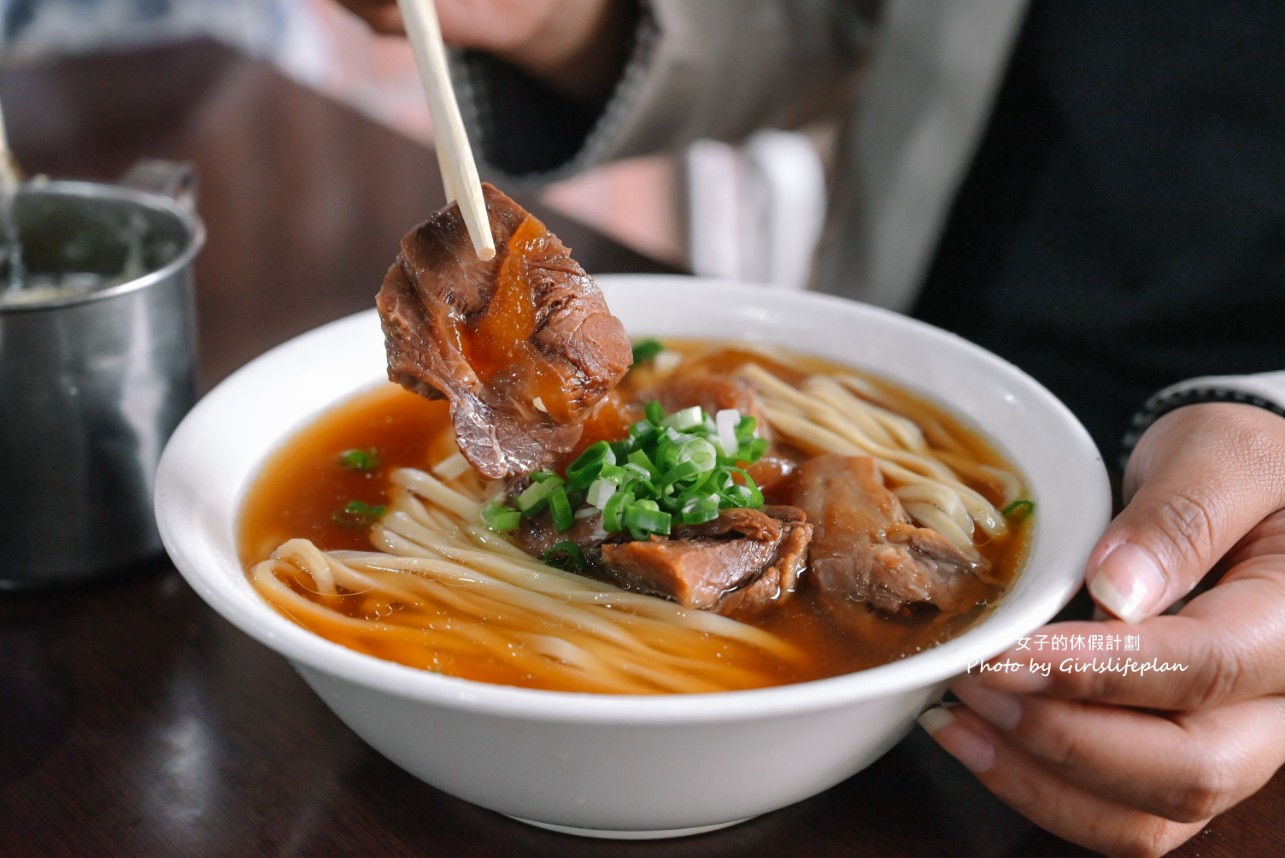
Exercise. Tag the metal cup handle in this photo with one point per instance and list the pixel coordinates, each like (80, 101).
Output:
(174, 179)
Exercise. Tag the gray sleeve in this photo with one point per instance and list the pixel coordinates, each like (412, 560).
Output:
(697, 68)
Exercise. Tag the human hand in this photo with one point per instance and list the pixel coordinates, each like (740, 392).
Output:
(576, 46)
(1133, 763)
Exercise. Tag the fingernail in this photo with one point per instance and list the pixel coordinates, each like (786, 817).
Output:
(963, 743)
(935, 718)
(995, 707)
(1128, 583)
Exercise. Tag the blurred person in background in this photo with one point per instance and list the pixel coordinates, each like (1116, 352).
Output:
(30, 29)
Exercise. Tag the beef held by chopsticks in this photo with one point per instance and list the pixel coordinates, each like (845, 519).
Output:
(522, 345)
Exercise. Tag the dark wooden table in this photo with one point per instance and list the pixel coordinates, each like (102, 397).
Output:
(135, 721)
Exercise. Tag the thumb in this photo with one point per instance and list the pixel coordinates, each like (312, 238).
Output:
(1201, 477)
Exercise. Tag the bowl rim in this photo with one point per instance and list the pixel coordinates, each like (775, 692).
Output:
(186, 536)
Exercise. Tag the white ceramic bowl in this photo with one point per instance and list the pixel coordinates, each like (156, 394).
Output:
(636, 766)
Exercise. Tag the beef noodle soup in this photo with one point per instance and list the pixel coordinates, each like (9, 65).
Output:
(879, 526)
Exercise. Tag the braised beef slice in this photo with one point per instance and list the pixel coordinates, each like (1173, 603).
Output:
(737, 563)
(866, 550)
(711, 392)
(537, 534)
(522, 345)
(780, 578)
(771, 470)
(755, 524)
(695, 573)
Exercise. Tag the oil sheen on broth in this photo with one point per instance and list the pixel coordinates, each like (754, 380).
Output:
(305, 491)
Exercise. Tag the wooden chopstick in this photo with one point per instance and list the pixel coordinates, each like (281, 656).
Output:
(454, 155)
(10, 172)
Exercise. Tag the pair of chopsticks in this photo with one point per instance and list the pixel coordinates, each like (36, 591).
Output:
(454, 156)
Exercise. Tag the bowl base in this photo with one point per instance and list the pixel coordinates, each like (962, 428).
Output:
(632, 834)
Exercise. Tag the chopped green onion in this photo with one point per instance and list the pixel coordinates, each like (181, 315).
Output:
(699, 452)
(589, 464)
(1019, 509)
(560, 508)
(700, 510)
(685, 418)
(636, 472)
(752, 450)
(359, 459)
(645, 350)
(643, 489)
(533, 498)
(703, 486)
(639, 433)
(564, 555)
(613, 512)
(681, 467)
(725, 422)
(357, 513)
(600, 491)
(747, 489)
(618, 475)
(640, 463)
(668, 444)
(500, 517)
(644, 517)
(678, 473)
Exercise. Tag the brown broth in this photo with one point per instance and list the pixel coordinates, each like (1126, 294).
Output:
(303, 486)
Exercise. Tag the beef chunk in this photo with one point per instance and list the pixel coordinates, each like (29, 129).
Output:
(865, 549)
(536, 534)
(759, 525)
(695, 573)
(771, 471)
(522, 345)
(780, 577)
(711, 392)
(738, 563)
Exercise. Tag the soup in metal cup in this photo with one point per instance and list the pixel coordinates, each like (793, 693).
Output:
(97, 367)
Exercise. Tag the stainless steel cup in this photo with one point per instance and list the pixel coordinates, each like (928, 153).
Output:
(93, 384)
